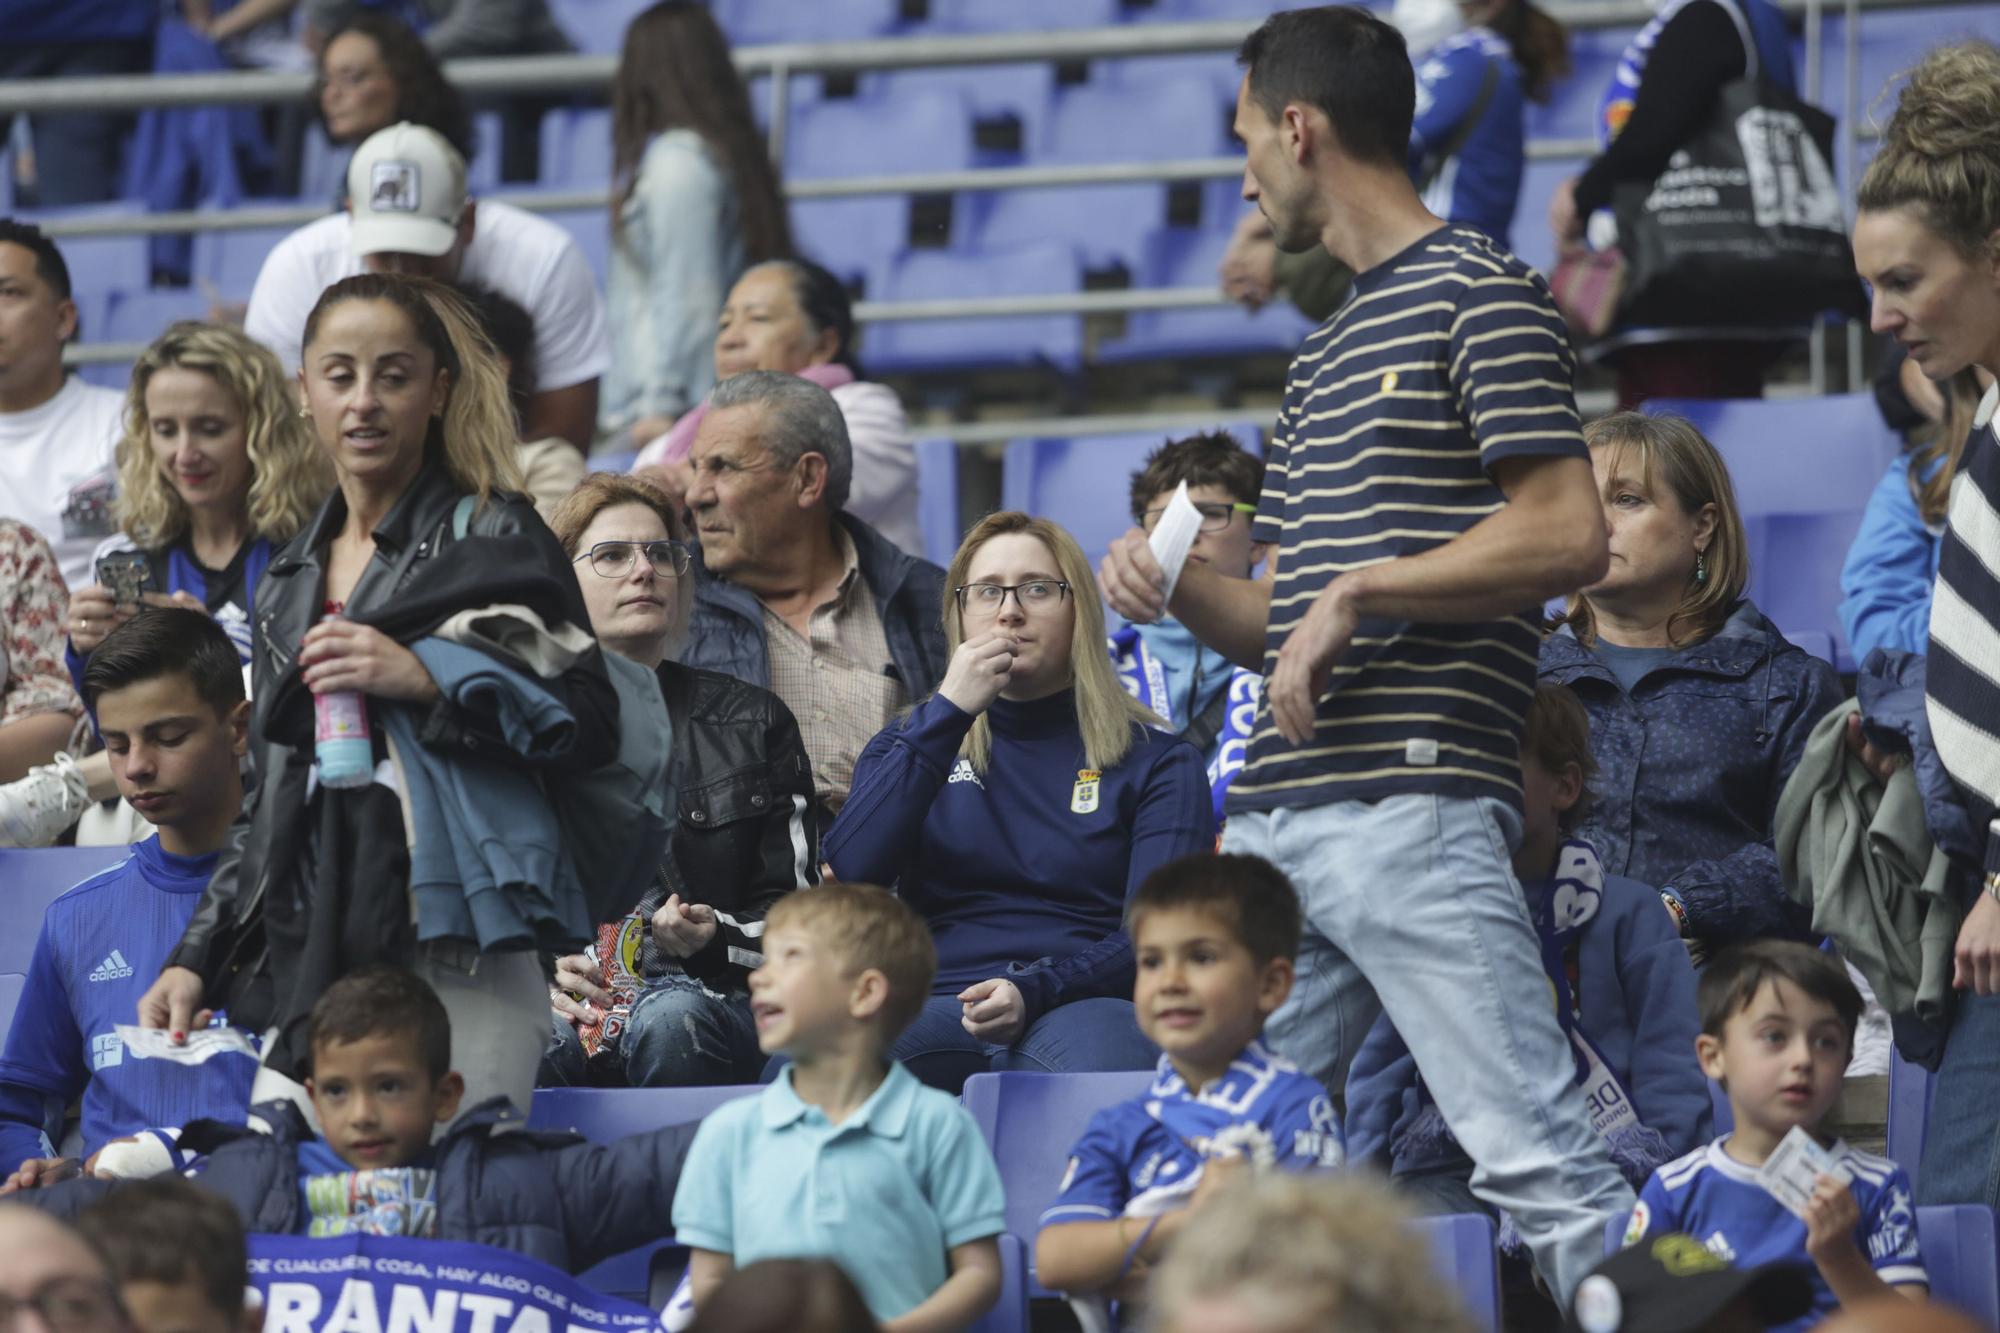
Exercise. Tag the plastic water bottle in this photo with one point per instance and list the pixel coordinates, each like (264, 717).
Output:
(341, 748)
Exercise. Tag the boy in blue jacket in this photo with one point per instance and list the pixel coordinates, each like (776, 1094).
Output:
(381, 1085)
(1623, 986)
(167, 690)
(1215, 937)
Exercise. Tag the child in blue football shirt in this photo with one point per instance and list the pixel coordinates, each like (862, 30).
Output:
(1215, 938)
(1777, 1029)
(166, 688)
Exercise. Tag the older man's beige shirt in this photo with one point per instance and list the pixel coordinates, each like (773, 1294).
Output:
(838, 683)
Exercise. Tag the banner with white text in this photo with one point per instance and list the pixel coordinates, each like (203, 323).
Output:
(391, 1284)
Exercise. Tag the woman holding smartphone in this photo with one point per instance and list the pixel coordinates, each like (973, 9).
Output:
(215, 471)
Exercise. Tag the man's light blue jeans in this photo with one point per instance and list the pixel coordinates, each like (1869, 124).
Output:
(1411, 907)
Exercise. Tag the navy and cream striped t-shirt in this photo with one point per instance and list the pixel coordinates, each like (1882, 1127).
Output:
(1445, 360)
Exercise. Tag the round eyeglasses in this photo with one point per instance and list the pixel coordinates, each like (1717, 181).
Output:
(613, 560)
(988, 598)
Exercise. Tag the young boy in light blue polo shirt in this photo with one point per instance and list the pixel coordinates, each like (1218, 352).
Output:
(847, 1157)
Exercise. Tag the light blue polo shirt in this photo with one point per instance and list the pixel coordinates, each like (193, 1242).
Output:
(885, 1195)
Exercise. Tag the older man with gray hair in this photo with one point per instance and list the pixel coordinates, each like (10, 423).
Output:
(795, 595)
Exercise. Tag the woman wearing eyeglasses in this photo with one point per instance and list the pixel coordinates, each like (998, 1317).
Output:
(1016, 809)
(662, 998)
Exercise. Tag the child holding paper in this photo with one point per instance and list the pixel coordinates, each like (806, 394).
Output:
(1201, 694)
(1777, 1030)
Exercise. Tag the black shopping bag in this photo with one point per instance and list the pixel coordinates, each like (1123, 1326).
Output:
(1745, 226)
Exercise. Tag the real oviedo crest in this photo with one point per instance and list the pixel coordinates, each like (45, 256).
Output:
(1083, 796)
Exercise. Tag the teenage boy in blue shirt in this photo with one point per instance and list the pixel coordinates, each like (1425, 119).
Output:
(1777, 1031)
(847, 1157)
(167, 690)
(1215, 938)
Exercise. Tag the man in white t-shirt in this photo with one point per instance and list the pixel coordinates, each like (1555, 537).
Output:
(408, 212)
(56, 433)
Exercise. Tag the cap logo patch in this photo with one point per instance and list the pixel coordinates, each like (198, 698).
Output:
(393, 187)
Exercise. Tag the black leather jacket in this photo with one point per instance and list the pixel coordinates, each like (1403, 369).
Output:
(746, 834)
(269, 850)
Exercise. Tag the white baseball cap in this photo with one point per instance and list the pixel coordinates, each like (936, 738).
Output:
(406, 192)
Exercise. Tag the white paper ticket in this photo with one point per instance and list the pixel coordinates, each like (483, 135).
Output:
(1173, 536)
(1794, 1168)
(156, 1044)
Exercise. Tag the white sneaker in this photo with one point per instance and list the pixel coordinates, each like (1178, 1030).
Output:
(36, 809)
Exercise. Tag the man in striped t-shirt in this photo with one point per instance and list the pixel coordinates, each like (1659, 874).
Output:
(1427, 490)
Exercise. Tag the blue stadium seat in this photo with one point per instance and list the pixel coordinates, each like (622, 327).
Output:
(482, 174)
(141, 316)
(1083, 483)
(1178, 258)
(614, 460)
(604, 1115)
(1803, 470)
(929, 129)
(1096, 123)
(1030, 1121)
(937, 499)
(31, 879)
(232, 258)
(1463, 1246)
(322, 168)
(596, 26)
(752, 22)
(1893, 41)
(1910, 1090)
(1961, 1257)
(1108, 224)
(1026, 91)
(590, 228)
(99, 265)
(1018, 340)
(1020, 15)
(576, 148)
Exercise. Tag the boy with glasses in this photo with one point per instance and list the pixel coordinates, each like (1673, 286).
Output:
(1205, 697)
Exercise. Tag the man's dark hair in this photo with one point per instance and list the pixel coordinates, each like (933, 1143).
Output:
(170, 1230)
(1729, 984)
(381, 1000)
(50, 266)
(167, 641)
(1249, 893)
(1212, 458)
(1345, 61)
(511, 329)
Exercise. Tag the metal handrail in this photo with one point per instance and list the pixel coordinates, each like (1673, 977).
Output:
(492, 75)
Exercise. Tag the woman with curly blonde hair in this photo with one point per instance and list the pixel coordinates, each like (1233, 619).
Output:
(215, 471)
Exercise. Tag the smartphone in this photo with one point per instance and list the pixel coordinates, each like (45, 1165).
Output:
(127, 574)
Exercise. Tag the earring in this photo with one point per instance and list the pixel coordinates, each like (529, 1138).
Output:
(1700, 567)
(305, 413)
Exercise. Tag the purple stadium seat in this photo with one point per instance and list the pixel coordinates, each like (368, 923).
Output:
(756, 22)
(1095, 123)
(603, 1115)
(1108, 224)
(1083, 483)
(232, 259)
(576, 148)
(1803, 470)
(1463, 1246)
(1026, 91)
(596, 26)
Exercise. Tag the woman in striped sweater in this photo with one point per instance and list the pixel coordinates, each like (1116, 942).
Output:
(1927, 239)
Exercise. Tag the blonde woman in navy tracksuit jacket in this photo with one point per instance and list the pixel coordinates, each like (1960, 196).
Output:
(1017, 808)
